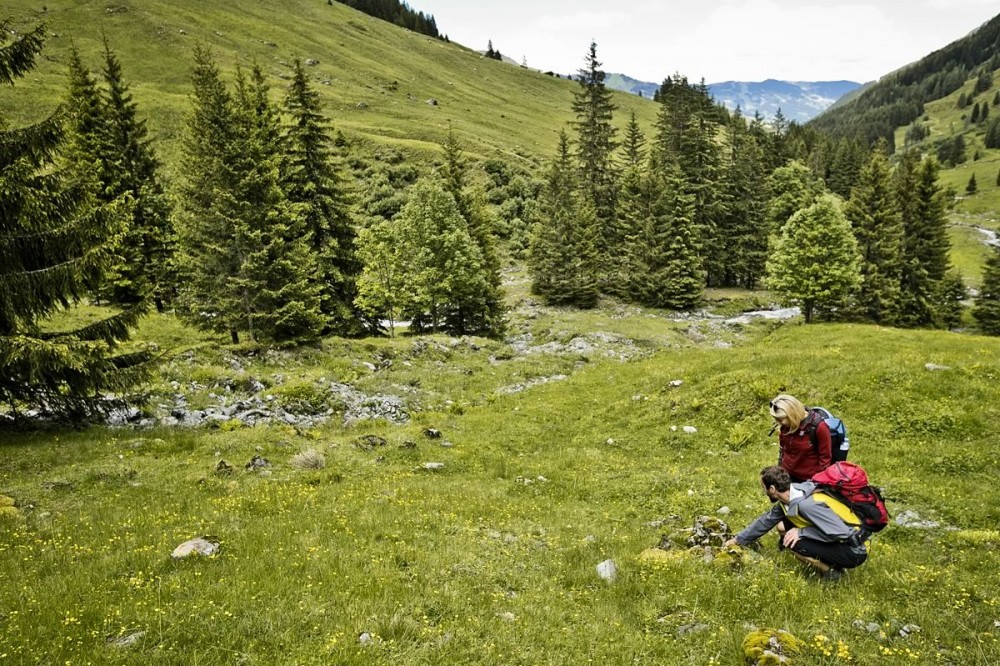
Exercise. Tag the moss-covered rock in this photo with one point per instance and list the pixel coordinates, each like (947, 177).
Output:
(770, 647)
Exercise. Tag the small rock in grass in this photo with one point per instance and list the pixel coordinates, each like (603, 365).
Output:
(934, 366)
(723, 510)
(690, 429)
(258, 462)
(369, 442)
(677, 382)
(433, 465)
(365, 638)
(432, 433)
(206, 546)
(223, 468)
(607, 570)
(126, 641)
(446, 444)
(507, 616)
(909, 629)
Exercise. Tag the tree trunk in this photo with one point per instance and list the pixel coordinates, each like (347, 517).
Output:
(235, 335)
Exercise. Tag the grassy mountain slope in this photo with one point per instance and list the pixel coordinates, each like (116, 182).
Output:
(492, 558)
(375, 78)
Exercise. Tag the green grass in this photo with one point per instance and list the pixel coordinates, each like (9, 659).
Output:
(484, 562)
(374, 78)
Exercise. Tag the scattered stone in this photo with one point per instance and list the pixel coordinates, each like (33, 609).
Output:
(590, 538)
(933, 366)
(607, 570)
(690, 429)
(507, 616)
(183, 32)
(909, 629)
(433, 465)
(708, 531)
(369, 443)
(224, 468)
(911, 519)
(693, 628)
(408, 444)
(206, 546)
(258, 462)
(126, 641)
(609, 441)
(676, 382)
(432, 433)
(723, 511)
(308, 459)
(869, 627)
(432, 101)
(446, 444)
(312, 62)
(365, 638)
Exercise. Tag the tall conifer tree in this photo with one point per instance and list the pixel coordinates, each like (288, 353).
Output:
(246, 262)
(595, 145)
(875, 220)
(742, 225)
(54, 249)
(144, 268)
(563, 257)
(314, 181)
(922, 204)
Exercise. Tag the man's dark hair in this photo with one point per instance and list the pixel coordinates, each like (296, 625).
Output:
(777, 477)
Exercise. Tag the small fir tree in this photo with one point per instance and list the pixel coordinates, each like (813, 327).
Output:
(815, 259)
(951, 295)
(987, 307)
(971, 187)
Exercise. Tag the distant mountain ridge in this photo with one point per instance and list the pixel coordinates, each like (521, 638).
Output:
(798, 100)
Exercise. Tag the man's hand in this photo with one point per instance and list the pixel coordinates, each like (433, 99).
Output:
(731, 542)
(791, 538)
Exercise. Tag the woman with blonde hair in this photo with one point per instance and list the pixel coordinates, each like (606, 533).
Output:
(804, 446)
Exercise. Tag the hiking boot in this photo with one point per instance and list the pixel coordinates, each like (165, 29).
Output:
(832, 574)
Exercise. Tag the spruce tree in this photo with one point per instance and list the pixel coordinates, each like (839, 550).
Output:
(144, 268)
(951, 293)
(742, 225)
(634, 144)
(878, 229)
(815, 259)
(563, 259)
(595, 146)
(664, 263)
(55, 245)
(686, 137)
(987, 308)
(971, 187)
(922, 205)
(246, 263)
(314, 181)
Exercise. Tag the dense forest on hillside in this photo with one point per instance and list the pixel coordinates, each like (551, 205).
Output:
(397, 13)
(898, 98)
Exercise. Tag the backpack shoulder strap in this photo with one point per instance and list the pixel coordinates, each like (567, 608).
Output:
(813, 418)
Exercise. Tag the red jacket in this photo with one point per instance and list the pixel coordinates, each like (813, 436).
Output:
(798, 454)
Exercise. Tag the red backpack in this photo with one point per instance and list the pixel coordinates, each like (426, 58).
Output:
(849, 483)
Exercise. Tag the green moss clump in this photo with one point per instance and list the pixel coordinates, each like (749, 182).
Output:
(770, 647)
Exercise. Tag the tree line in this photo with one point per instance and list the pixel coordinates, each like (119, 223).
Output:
(716, 201)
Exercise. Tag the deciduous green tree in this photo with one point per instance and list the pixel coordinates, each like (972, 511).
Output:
(814, 263)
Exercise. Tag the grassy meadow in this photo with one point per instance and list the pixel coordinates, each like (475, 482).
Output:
(373, 559)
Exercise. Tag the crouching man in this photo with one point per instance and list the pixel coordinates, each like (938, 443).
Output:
(818, 528)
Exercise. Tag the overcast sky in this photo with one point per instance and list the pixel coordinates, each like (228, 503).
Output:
(720, 40)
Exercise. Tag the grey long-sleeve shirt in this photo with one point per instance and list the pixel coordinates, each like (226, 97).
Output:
(824, 524)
